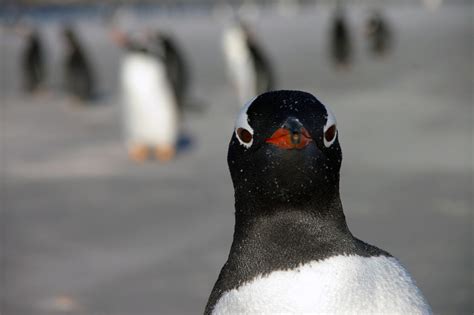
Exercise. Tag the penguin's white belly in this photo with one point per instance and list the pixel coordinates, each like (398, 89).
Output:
(240, 65)
(337, 285)
(150, 109)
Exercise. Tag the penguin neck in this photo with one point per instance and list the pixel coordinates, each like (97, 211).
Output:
(282, 237)
(323, 203)
(309, 223)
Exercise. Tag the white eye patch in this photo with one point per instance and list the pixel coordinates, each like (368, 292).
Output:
(330, 129)
(243, 131)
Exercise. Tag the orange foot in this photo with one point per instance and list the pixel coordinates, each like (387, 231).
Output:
(138, 152)
(165, 152)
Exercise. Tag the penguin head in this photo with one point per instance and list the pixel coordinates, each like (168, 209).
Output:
(141, 41)
(146, 41)
(284, 149)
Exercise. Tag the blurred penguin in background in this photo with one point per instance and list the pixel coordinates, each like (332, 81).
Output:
(340, 45)
(151, 113)
(249, 68)
(176, 66)
(78, 76)
(378, 34)
(32, 60)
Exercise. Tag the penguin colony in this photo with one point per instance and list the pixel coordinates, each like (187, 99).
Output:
(154, 76)
(292, 250)
(249, 66)
(78, 78)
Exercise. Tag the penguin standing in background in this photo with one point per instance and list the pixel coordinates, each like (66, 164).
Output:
(341, 46)
(151, 113)
(378, 34)
(176, 66)
(33, 62)
(292, 250)
(78, 76)
(248, 66)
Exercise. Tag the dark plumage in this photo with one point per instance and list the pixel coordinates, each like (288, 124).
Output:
(33, 62)
(78, 75)
(263, 68)
(340, 40)
(176, 66)
(378, 34)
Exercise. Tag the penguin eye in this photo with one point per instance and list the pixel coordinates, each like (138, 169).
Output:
(244, 135)
(330, 135)
(243, 130)
(330, 130)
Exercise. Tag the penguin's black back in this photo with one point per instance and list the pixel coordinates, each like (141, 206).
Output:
(176, 67)
(79, 79)
(264, 71)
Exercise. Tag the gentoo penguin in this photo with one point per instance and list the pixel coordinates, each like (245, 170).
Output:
(341, 47)
(292, 251)
(176, 65)
(33, 62)
(378, 34)
(78, 76)
(248, 66)
(151, 112)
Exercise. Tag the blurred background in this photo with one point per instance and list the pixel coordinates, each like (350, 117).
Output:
(89, 228)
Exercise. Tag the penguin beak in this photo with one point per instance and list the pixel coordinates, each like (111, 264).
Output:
(292, 135)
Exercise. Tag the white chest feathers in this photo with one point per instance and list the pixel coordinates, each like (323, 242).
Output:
(150, 108)
(337, 285)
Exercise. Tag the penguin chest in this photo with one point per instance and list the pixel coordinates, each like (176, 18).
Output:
(150, 107)
(337, 285)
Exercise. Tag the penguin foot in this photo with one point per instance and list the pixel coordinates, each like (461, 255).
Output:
(165, 153)
(138, 152)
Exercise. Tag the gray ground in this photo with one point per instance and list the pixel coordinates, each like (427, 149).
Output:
(86, 231)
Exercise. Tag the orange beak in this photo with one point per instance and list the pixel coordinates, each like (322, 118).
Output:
(290, 139)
